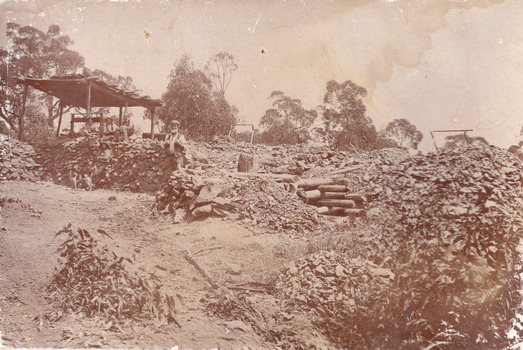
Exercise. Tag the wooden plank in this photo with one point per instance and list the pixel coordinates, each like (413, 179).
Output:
(344, 171)
(288, 178)
(84, 120)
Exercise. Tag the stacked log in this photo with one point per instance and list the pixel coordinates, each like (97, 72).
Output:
(331, 198)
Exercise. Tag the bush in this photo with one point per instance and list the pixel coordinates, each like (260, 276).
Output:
(94, 281)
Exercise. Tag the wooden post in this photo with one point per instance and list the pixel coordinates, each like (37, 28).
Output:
(71, 132)
(152, 122)
(125, 110)
(88, 102)
(434, 142)
(60, 119)
(21, 120)
(120, 117)
(102, 125)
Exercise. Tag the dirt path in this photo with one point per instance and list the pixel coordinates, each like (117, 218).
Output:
(230, 253)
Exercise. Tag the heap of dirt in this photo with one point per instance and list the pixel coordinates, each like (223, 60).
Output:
(133, 165)
(18, 160)
(192, 195)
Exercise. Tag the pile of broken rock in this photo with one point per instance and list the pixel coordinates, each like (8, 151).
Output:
(18, 160)
(193, 194)
(330, 284)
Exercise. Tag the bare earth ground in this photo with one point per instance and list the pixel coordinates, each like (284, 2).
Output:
(28, 258)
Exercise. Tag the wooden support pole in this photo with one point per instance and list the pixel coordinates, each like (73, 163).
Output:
(434, 142)
(21, 120)
(71, 132)
(120, 117)
(60, 119)
(152, 122)
(102, 125)
(88, 102)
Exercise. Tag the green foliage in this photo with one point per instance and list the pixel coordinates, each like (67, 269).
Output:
(220, 69)
(344, 117)
(32, 53)
(288, 122)
(94, 281)
(403, 133)
(190, 100)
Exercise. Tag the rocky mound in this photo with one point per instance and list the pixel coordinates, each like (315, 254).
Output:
(192, 194)
(18, 160)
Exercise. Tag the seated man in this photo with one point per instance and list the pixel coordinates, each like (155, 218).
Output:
(175, 145)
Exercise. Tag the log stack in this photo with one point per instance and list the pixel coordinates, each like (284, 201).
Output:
(331, 198)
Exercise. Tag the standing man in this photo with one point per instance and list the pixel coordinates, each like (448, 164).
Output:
(175, 145)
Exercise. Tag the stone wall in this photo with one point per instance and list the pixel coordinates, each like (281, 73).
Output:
(138, 166)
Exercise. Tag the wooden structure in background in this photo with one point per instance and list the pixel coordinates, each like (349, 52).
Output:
(86, 92)
(464, 131)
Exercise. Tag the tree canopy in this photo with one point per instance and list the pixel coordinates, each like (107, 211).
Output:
(220, 69)
(287, 122)
(31, 52)
(190, 100)
(344, 116)
(403, 133)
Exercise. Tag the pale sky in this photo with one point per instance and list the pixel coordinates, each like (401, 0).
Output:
(442, 64)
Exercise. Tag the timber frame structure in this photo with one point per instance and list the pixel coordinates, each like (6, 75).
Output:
(90, 91)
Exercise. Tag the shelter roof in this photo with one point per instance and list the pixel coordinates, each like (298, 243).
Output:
(73, 90)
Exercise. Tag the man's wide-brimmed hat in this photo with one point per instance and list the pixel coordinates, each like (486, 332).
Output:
(175, 123)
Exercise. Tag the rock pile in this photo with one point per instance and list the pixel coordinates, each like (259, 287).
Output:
(192, 195)
(332, 285)
(18, 160)
(457, 186)
(139, 166)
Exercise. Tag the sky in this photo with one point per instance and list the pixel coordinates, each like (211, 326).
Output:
(441, 64)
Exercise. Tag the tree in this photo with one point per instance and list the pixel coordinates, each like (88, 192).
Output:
(32, 53)
(403, 133)
(288, 122)
(219, 69)
(344, 117)
(190, 100)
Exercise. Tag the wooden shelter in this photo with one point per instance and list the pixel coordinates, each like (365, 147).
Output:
(89, 91)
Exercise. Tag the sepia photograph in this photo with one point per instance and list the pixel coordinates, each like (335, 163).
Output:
(261, 174)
